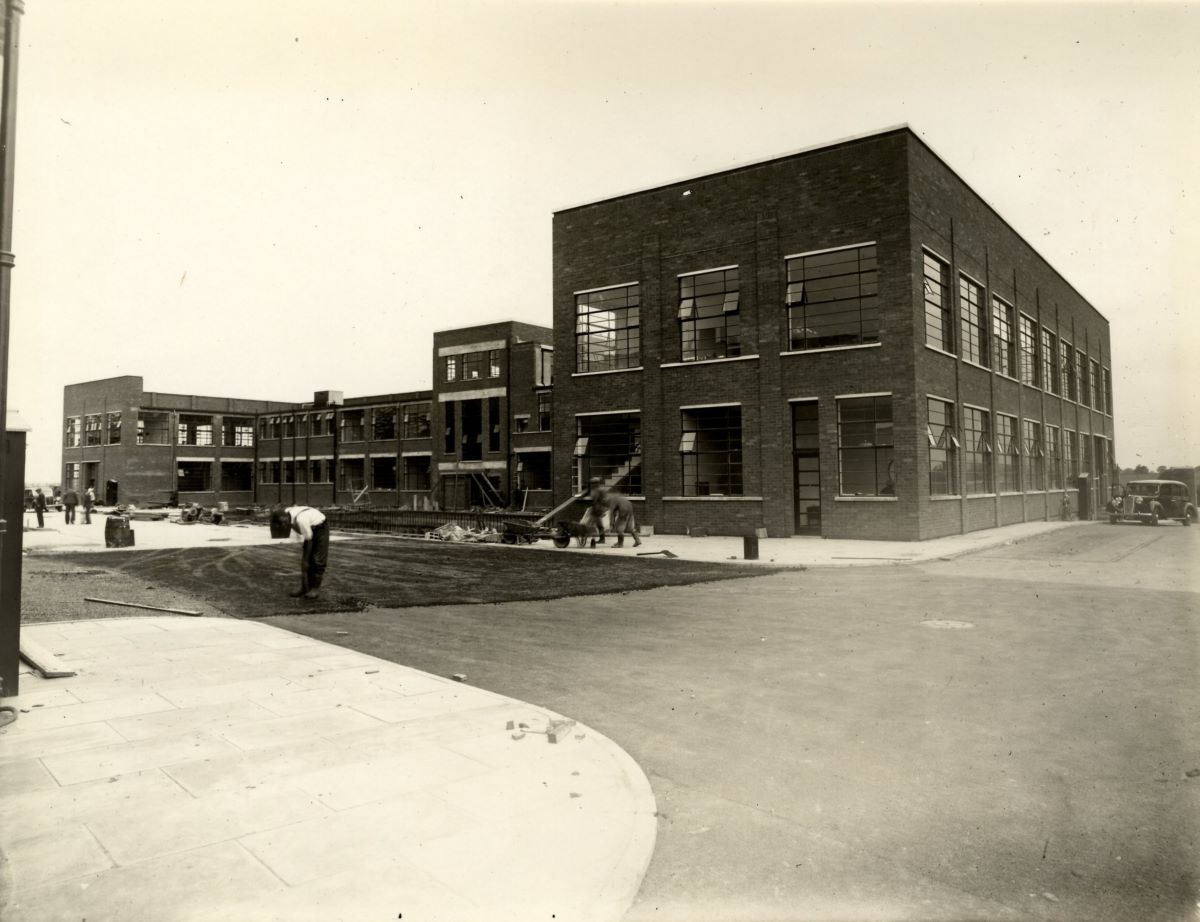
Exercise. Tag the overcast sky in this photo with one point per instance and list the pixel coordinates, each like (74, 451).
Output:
(263, 199)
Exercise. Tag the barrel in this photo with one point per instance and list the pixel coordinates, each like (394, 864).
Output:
(117, 532)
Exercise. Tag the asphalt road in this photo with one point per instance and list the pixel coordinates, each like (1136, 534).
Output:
(818, 752)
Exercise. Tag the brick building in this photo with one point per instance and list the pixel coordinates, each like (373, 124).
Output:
(846, 342)
(139, 446)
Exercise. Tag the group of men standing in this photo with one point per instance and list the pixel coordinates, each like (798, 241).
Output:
(70, 501)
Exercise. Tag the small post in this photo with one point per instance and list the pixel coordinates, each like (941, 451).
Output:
(750, 547)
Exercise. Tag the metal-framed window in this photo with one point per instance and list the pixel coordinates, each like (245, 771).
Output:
(320, 470)
(194, 476)
(451, 369)
(973, 322)
(1003, 321)
(195, 430)
(833, 298)
(710, 325)
(351, 426)
(153, 428)
(544, 411)
(383, 473)
(609, 446)
(608, 331)
(977, 450)
(93, 429)
(383, 425)
(71, 476)
(866, 446)
(1108, 397)
(416, 421)
(352, 474)
(113, 426)
(493, 423)
(71, 432)
(237, 432)
(1029, 371)
(1008, 454)
(1085, 454)
(1066, 370)
(1081, 374)
(943, 448)
(939, 331)
(1050, 377)
(472, 366)
(711, 450)
(1033, 469)
(1094, 389)
(1070, 454)
(417, 474)
(1053, 458)
(493, 363)
(237, 476)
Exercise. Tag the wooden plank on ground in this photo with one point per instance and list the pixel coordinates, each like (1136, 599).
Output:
(172, 611)
(45, 662)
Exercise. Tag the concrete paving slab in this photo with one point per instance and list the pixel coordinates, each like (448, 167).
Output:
(189, 790)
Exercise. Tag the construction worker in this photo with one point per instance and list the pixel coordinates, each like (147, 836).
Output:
(621, 518)
(597, 509)
(310, 525)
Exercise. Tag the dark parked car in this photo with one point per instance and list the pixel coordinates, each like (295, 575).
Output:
(1151, 501)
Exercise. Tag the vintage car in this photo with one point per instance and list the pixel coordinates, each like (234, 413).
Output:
(1151, 501)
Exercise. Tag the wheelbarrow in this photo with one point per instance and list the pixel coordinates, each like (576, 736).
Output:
(526, 533)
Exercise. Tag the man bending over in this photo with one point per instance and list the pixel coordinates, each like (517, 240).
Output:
(309, 524)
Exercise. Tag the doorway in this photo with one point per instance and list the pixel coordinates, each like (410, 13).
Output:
(806, 467)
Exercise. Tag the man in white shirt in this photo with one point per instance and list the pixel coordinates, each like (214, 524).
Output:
(309, 524)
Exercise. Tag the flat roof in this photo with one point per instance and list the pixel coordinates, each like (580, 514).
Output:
(901, 128)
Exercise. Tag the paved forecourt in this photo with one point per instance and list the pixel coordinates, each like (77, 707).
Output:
(222, 769)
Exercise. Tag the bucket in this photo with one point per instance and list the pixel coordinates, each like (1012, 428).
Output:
(280, 528)
(117, 532)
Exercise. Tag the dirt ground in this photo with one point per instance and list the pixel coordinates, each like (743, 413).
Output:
(379, 573)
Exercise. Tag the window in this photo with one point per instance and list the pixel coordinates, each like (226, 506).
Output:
(71, 477)
(1085, 454)
(709, 318)
(351, 475)
(943, 449)
(451, 368)
(545, 376)
(493, 410)
(237, 433)
(383, 423)
(320, 470)
(494, 363)
(417, 474)
(1032, 469)
(533, 471)
(323, 424)
(416, 421)
(195, 477)
(1108, 404)
(289, 427)
(470, 436)
(1081, 374)
(237, 476)
(195, 430)
(71, 433)
(262, 427)
(1066, 370)
(977, 450)
(113, 424)
(1070, 455)
(973, 322)
(1008, 454)
(153, 428)
(608, 329)
(1094, 390)
(92, 429)
(289, 471)
(711, 448)
(301, 425)
(521, 423)
(449, 442)
(832, 298)
(938, 331)
(865, 465)
(472, 366)
(544, 414)
(383, 473)
(1050, 379)
(352, 429)
(1005, 350)
(609, 446)
(1053, 456)
(1027, 354)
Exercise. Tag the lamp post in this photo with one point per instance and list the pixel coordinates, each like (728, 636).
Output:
(10, 550)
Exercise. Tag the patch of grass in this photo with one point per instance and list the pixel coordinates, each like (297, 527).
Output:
(386, 573)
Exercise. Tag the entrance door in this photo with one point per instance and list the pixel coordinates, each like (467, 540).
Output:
(806, 467)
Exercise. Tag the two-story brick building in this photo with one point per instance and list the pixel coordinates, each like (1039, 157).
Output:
(847, 341)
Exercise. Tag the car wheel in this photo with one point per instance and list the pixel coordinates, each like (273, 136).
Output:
(1189, 516)
(1153, 520)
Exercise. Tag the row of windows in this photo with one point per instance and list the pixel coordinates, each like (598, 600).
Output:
(1004, 459)
(470, 366)
(831, 300)
(97, 429)
(353, 474)
(380, 423)
(1009, 342)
